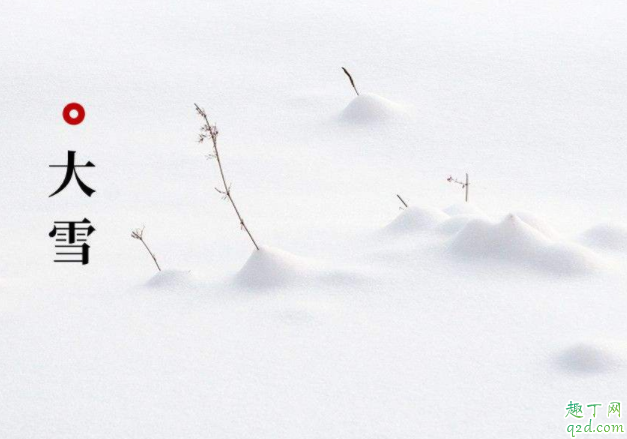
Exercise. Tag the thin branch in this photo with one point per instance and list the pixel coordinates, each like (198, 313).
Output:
(139, 235)
(464, 185)
(351, 80)
(402, 201)
(211, 131)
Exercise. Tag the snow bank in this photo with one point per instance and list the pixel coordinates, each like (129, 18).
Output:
(416, 218)
(172, 279)
(455, 223)
(510, 238)
(591, 358)
(271, 268)
(459, 215)
(514, 240)
(609, 236)
(464, 209)
(370, 108)
(537, 223)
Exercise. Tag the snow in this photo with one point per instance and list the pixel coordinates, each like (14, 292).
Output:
(586, 358)
(356, 319)
(272, 268)
(517, 241)
(608, 236)
(371, 108)
(416, 218)
(172, 279)
(459, 209)
(538, 224)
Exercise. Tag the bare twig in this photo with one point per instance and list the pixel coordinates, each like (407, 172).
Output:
(464, 185)
(139, 235)
(402, 201)
(351, 80)
(211, 131)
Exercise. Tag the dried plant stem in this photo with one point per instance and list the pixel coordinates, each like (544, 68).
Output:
(464, 185)
(351, 80)
(402, 201)
(139, 235)
(154, 258)
(213, 133)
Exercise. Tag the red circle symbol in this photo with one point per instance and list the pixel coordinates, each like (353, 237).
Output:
(73, 113)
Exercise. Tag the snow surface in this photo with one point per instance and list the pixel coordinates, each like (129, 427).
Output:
(369, 108)
(515, 240)
(416, 218)
(592, 358)
(355, 320)
(609, 236)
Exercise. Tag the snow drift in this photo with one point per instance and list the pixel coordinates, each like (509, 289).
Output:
(463, 209)
(460, 214)
(172, 279)
(455, 223)
(538, 224)
(517, 241)
(608, 236)
(371, 108)
(272, 268)
(416, 218)
(590, 358)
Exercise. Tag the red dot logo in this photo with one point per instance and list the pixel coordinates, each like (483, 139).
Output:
(73, 113)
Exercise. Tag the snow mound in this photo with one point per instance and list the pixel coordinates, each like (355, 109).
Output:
(416, 218)
(537, 223)
(590, 358)
(514, 240)
(271, 268)
(460, 214)
(172, 279)
(609, 236)
(369, 108)
(566, 257)
(464, 209)
(510, 238)
(455, 223)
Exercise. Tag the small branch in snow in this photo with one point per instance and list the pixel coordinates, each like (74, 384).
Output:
(351, 80)
(211, 131)
(139, 235)
(464, 185)
(402, 201)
